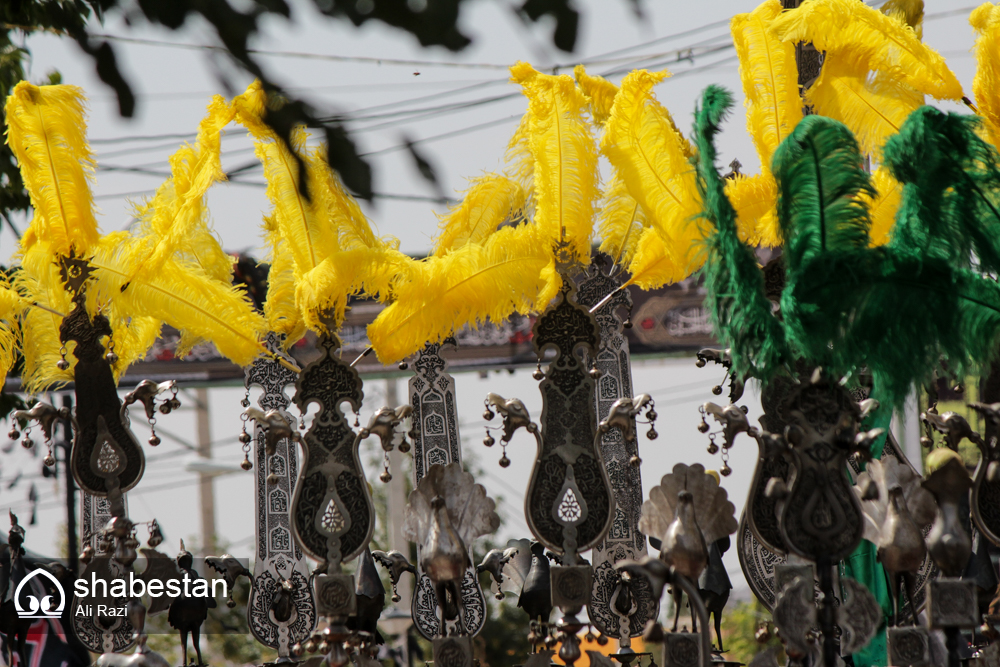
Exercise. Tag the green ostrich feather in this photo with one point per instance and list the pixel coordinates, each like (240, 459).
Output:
(739, 307)
(898, 310)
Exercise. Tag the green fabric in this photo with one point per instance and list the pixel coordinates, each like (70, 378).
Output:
(863, 565)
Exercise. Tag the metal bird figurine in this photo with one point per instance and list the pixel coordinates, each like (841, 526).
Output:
(370, 596)
(395, 564)
(231, 569)
(494, 562)
(949, 544)
(187, 613)
(687, 511)
(894, 521)
(446, 512)
(276, 425)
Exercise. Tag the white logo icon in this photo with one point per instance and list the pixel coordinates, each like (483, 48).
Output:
(39, 608)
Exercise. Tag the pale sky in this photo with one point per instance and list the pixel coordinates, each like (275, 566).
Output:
(390, 101)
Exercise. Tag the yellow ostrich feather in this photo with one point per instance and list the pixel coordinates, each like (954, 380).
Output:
(883, 208)
(600, 93)
(770, 79)
(490, 201)
(181, 295)
(872, 105)
(334, 249)
(280, 309)
(652, 265)
(985, 19)
(565, 159)
(512, 271)
(755, 198)
(910, 12)
(175, 221)
(621, 223)
(47, 133)
(648, 155)
(521, 162)
(12, 305)
(853, 31)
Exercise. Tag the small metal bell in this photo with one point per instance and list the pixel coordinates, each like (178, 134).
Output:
(488, 440)
(14, 434)
(403, 447)
(488, 414)
(154, 440)
(385, 477)
(725, 471)
(627, 324)
(504, 461)
(27, 443)
(651, 415)
(245, 438)
(245, 402)
(403, 365)
(537, 374)
(297, 650)
(926, 442)
(703, 426)
(62, 365)
(155, 535)
(272, 479)
(245, 464)
(635, 461)
(111, 357)
(595, 372)
(713, 448)
(231, 603)
(652, 434)
(165, 408)
(717, 389)
(49, 460)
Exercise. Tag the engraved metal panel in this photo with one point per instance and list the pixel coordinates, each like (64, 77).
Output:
(567, 463)
(623, 541)
(437, 441)
(278, 558)
(332, 512)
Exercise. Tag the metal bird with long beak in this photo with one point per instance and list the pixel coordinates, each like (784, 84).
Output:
(445, 513)
(231, 569)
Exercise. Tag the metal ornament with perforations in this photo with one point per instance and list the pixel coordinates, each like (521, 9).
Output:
(437, 440)
(620, 454)
(279, 560)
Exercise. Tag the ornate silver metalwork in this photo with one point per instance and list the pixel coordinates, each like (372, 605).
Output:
(279, 560)
(619, 451)
(445, 513)
(986, 480)
(437, 441)
(332, 512)
(909, 646)
(453, 651)
(569, 503)
(682, 649)
(951, 603)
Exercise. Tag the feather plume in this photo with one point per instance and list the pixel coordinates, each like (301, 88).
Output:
(334, 249)
(490, 201)
(47, 133)
(820, 174)
(519, 157)
(648, 155)
(873, 105)
(769, 75)
(182, 296)
(854, 31)
(910, 12)
(512, 271)
(38, 281)
(755, 198)
(280, 310)
(652, 264)
(565, 159)
(12, 305)
(985, 19)
(174, 223)
(883, 207)
(621, 223)
(600, 93)
(741, 312)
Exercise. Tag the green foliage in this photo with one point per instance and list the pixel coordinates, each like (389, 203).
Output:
(739, 627)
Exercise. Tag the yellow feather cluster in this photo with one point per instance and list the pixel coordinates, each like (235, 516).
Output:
(511, 271)
(853, 31)
(490, 201)
(769, 76)
(883, 208)
(872, 105)
(910, 12)
(565, 159)
(46, 132)
(175, 222)
(648, 156)
(333, 249)
(621, 223)
(754, 199)
(652, 264)
(600, 93)
(985, 19)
